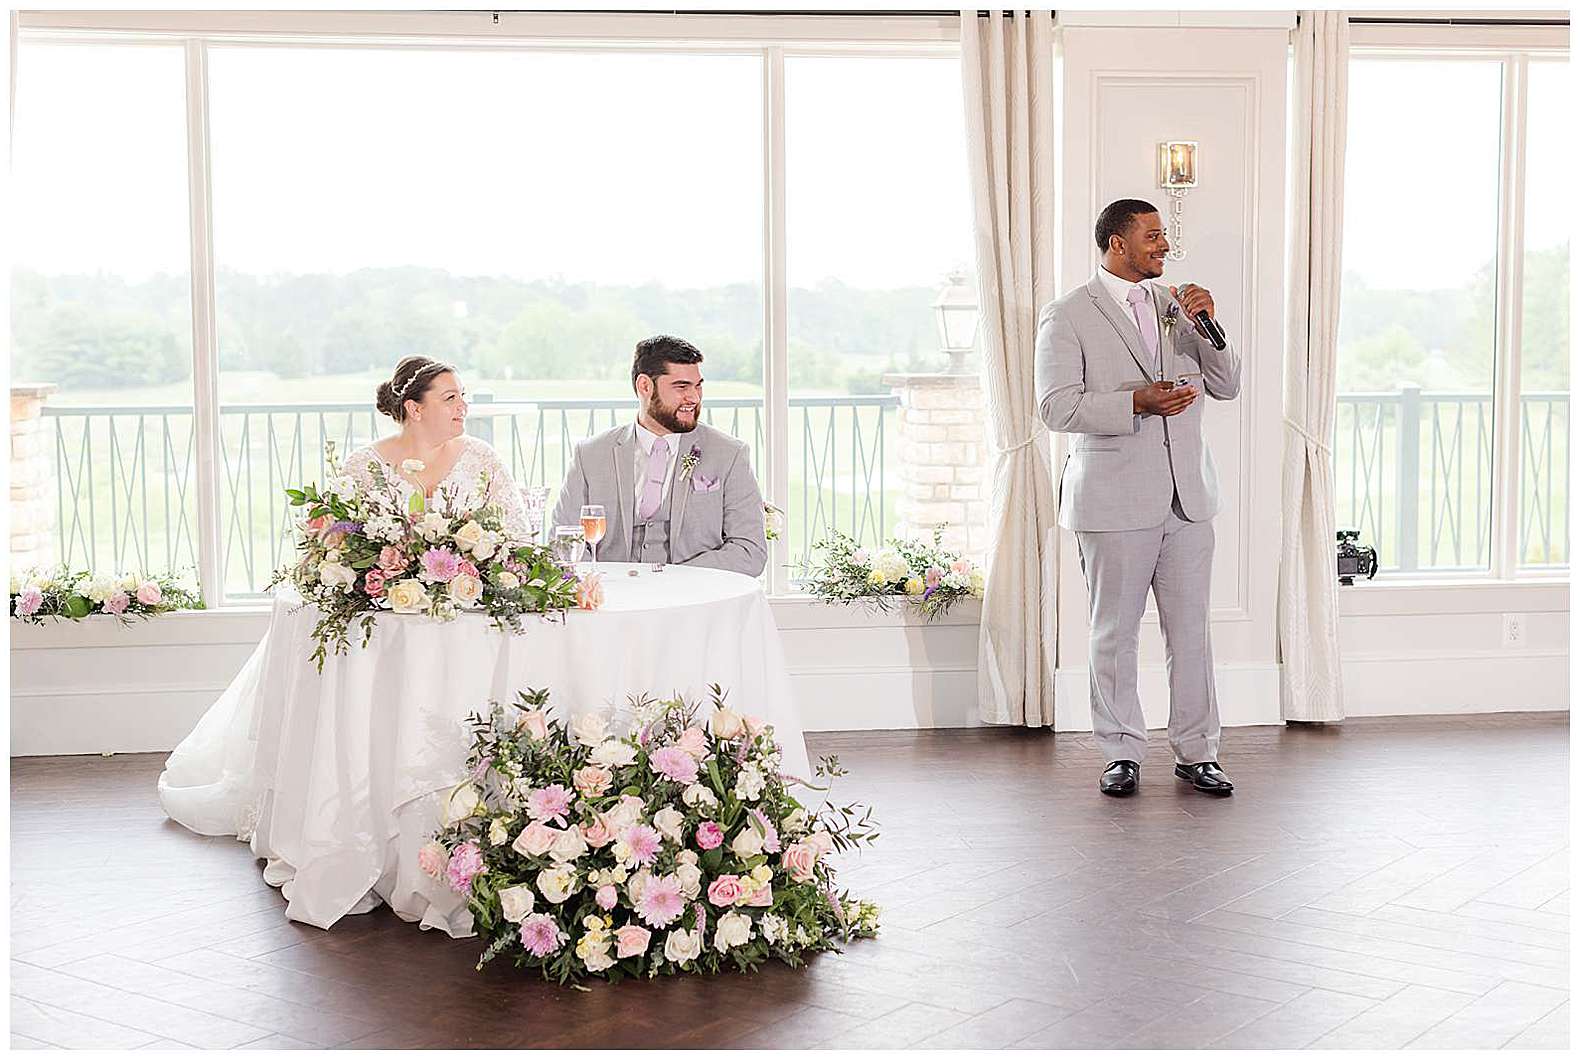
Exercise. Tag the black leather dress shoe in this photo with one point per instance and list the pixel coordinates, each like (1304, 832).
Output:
(1120, 778)
(1205, 776)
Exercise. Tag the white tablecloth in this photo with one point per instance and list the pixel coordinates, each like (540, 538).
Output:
(334, 777)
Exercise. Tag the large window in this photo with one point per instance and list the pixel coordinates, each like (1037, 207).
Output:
(528, 211)
(1432, 444)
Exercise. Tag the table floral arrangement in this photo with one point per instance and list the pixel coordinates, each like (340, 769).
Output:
(362, 552)
(927, 577)
(674, 848)
(69, 594)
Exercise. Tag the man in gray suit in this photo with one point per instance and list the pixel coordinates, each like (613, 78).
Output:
(1120, 365)
(675, 490)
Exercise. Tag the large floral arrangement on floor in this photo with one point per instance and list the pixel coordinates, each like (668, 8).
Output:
(927, 577)
(75, 594)
(674, 848)
(362, 551)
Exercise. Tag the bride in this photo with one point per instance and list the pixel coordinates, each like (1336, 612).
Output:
(214, 782)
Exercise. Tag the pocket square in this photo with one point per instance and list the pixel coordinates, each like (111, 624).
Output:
(704, 484)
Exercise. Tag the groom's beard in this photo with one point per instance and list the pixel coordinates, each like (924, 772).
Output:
(670, 418)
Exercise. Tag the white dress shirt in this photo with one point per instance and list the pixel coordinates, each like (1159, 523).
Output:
(1120, 290)
(644, 448)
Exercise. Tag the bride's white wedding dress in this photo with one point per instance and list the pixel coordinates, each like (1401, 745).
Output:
(219, 778)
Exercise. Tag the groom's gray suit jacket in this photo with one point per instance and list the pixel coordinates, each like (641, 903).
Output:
(715, 509)
(1123, 470)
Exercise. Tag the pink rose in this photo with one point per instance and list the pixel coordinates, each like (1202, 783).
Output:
(598, 834)
(373, 582)
(432, 859)
(961, 567)
(148, 594)
(117, 604)
(592, 781)
(392, 559)
(608, 897)
(535, 722)
(318, 523)
(821, 842)
(763, 896)
(631, 941)
(694, 742)
(468, 567)
(535, 839)
(799, 860)
(726, 890)
(709, 835)
(754, 724)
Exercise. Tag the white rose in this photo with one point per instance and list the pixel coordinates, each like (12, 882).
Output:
(978, 580)
(569, 846)
(590, 729)
(413, 466)
(613, 753)
(687, 857)
(598, 959)
(433, 526)
(748, 843)
(670, 822)
(332, 556)
(499, 831)
(735, 929)
(336, 576)
(682, 946)
(726, 724)
(557, 883)
(636, 886)
(470, 535)
(465, 589)
(624, 814)
(487, 546)
(516, 902)
(407, 597)
(795, 821)
(506, 580)
(690, 877)
(129, 583)
(699, 795)
(461, 802)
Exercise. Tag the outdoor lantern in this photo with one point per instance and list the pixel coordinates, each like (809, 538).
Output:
(958, 314)
(1176, 176)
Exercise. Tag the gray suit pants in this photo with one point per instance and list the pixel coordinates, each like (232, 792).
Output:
(1174, 560)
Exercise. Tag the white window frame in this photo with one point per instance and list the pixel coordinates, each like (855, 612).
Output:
(772, 38)
(1513, 46)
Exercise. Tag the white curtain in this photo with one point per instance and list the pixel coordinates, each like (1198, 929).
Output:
(1006, 61)
(1310, 684)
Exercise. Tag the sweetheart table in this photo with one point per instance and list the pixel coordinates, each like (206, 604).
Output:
(335, 778)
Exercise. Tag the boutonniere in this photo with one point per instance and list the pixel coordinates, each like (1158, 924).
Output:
(1171, 316)
(688, 463)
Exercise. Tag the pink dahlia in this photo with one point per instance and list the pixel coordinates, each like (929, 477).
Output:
(709, 835)
(661, 903)
(644, 843)
(675, 764)
(541, 935)
(549, 804)
(440, 565)
(466, 861)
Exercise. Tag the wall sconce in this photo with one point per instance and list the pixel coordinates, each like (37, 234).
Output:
(1176, 176)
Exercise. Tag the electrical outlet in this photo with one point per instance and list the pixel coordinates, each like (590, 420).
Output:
(1513, 631)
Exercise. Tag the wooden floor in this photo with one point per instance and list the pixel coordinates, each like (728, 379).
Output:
(1386, 883)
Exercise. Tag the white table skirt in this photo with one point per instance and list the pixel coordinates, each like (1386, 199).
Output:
(334, 777)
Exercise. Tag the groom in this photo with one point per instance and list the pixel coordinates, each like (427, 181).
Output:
(675, 490)
(1120, 366)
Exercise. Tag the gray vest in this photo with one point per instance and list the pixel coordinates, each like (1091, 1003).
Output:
(650, 540)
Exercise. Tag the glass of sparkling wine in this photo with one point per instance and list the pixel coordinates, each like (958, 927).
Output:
(594, 526)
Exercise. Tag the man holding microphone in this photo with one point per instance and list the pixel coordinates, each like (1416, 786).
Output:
(1121, 365)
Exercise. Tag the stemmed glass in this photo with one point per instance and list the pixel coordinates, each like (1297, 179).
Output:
(594, 526)
(567, 546)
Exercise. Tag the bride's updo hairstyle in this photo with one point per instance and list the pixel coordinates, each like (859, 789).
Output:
(412, 379)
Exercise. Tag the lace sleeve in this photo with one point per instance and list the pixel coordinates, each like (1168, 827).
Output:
(503, 493)
(357, 466)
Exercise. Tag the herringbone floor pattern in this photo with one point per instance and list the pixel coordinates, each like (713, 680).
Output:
(1388, 883)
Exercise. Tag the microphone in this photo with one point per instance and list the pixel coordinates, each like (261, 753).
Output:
(1209, 327)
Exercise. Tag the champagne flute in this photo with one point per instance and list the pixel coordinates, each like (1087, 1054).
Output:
(594, 525)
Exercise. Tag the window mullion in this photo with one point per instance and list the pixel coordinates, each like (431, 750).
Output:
(205, 358)
(1507, 314)
(776, 367)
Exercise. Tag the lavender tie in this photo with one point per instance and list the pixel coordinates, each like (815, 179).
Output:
(653, 486)
(1148, 327)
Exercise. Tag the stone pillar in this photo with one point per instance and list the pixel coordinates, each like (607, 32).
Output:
(32, 478)
(943, 458)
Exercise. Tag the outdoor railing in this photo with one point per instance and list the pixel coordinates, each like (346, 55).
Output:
(124, 474)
